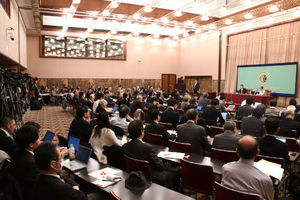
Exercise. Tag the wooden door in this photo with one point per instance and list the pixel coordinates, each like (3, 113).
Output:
(168, 82)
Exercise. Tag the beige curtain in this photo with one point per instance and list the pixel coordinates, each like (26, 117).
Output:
(270, 45)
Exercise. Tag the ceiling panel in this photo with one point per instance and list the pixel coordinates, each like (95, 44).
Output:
(157, 13)
(126, 9)
(56, 3)
(184, 17)
(93, 5)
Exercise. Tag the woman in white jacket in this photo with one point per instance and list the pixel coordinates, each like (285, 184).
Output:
(103, 135)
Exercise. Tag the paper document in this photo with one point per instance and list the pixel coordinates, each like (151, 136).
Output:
(172, 132)
(105, 177)
(270, 168)
(172, 155)
(100, 174)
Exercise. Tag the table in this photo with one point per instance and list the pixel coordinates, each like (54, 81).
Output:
(238, 98)
(155, 191)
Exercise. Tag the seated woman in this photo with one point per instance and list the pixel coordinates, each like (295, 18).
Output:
(102, 135)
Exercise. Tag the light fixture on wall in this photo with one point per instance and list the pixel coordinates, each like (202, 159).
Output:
(9, 33)
(273, 8)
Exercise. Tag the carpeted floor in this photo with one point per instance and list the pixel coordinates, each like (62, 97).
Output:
(52, 118)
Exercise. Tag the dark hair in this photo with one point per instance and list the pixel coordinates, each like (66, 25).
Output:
(247, 153)
(124, 110)
(135, 128)
(191, 114)
(154, 99)
(25, 135)
(33, 124)
(222, 96)
(5, 121)
(215, 102)
(293, 102)
(125, 95)
(81, 110)
(44, 154)
(102, 122)
(259, 111)
(154, 113)
(273, 103)
(172, 102)
(99, 95)
(271, 125)
(81, 94)
(229, 125)
(249, 100)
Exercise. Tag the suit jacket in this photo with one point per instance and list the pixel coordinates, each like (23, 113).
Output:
(226, 141)
(244, 111)
(81, 129)
(211, 114)
(142, 151)
(191, 133)
(203, 102)
(148, 114)
(155, 128)
(244, 91)
(196, 88)
(134, 106)
(252, 126)
(7, 144)
(23, 168)
(51, 187)
(286, 125)
(270, 146)
(170, 116)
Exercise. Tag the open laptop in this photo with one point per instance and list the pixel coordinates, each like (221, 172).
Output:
(199, 107)
(231, 107)
(48, 136)
(75, 141)
(82, 157)
(256, 104)
(224, 115)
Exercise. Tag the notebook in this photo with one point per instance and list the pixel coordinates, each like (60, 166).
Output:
(199, 107)
(48, 136)
(224, 115)
(75, 141)
(82, 157)
(231, 107)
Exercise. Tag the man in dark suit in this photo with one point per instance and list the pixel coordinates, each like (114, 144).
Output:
(154, 105)
(137, 149)
(288, 123)
(247, 109)
(49, 185)
(7, 142)
(211, 113)
(22, 165)
(170, 115)
(253, 125)
(196, 87)
(80, 126)
(194, 134)
(227, 140)
(242, 90)
(155, 128)
(269, 145)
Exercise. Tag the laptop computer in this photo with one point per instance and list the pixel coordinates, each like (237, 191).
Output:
(48, 136)
(75, 141)
(231, 107)
(115, 109)
(82, 157)
(224, 115)
(199, 107)
(256, 104)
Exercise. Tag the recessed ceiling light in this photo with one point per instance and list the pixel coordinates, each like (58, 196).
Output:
(248, 16)
(72, 9)
(148, 9)
(204, 18)
(228, 21)
(178, 13)
(273, 8)
(136, 16)
(114, 4)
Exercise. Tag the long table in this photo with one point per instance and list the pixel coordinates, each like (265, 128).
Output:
(238, 98)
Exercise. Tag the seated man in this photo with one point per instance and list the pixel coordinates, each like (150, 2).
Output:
(253, 125)
(80, 126)
(272, 110)
(191, 133)
(22, 165)
(212, 113)
(50, 186)
(242, 90)
(241, 175)
(170, 115)
(247, 109)
(288, 123)
(269, 145)
(7, 141)
(227, 140)
(156, 128)
(121, 120)
(154, 105)
(137, 149)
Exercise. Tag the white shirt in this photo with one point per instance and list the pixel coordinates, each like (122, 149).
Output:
(95, 105)
(120, 122)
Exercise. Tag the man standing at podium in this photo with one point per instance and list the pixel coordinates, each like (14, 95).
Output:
(242, 90)
(196, 87)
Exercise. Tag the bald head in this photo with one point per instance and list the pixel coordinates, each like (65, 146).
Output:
(247, 147)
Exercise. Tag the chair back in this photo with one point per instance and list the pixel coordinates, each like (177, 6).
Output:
(113, 196)
(168, 126)
(62, 140)
(294, 134)
(132, 164)
(196, 177)
(118, 131)
(271, 159)
(214, 130)
(238, 124)
(179, 146)
(155, 139)
(292, 144)
(225, 193)
(224, 155)
(180, 111)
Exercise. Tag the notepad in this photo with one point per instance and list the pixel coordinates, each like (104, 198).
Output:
(102, 177)
(270, 168)
(171, 155)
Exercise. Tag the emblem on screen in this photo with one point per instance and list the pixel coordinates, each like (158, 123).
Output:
(263, 77)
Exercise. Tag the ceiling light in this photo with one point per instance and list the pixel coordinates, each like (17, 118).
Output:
(148, 9)
(186, 34)
(105, 13)
(228, 21)
(273, 8)
(76, 1)
(189, 23)
(93, 13)
(248, 16)
(212, 26)
(136, 16)
(62, 34)
(197, 31)
(165, 20)
(136, 33)
(175, 37)
(156, 35)
(178, 13)
(114, 31)
(114, 4)
(66, 10)
(204, 18)
(72, 9)
(90, 29)
(65, 28)
(108, 35)
(83, 35)
(296, 13)
(224, 10)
